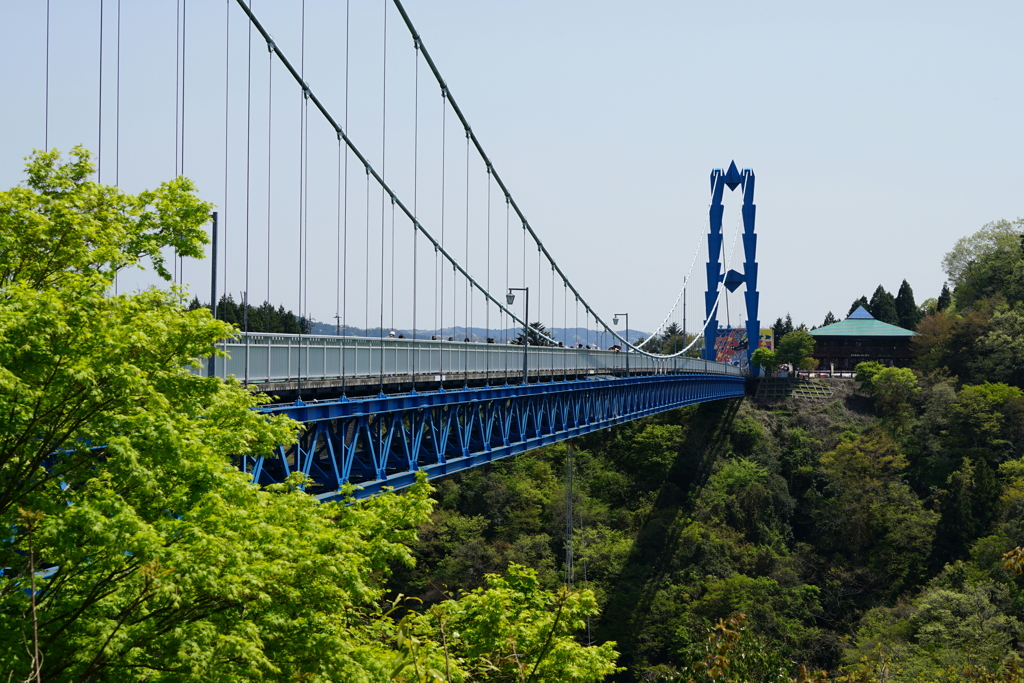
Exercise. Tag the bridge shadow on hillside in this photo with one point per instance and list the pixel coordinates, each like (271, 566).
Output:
(629, 615)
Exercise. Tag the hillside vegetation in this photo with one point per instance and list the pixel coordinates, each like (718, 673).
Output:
(863, 535)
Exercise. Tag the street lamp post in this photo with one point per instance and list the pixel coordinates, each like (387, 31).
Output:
(615, 321)
(510, 299)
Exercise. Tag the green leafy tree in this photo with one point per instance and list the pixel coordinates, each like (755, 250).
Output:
(987, 417)
(70, 355)
(954, 630)
(866, 372)
(868, 514)
(796, 348)
(765, 358)
(986, 262)
(968, 504)
(927, 307)
(893, 389)
(997, 353)
(733, 653)
(164, 562)
(513, 630)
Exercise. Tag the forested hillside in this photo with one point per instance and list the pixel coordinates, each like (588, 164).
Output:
(871, 534)
(863, 534)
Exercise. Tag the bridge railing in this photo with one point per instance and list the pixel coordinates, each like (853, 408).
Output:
(262, 357)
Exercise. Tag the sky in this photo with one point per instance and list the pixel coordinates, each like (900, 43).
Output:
(879, 133)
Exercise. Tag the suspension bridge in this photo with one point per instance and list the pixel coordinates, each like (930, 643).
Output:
(399, 218)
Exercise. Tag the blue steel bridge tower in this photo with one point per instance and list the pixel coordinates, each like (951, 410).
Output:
(732, 179)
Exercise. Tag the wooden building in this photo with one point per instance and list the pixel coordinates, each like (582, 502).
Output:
(840, 346)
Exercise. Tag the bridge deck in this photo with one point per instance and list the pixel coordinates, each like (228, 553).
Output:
(395, 407)
(290, 366)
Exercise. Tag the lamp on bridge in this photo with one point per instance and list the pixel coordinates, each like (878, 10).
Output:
(510, 298)
(615, 321)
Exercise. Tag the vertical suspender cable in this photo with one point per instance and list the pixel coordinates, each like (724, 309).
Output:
(305, 323)
(366, 283)
(383, 170)
(468, 319)
(344, 259)
(304, 302)
(487, 304)
(117, 108)
(444, 112)
(177, 120)
(227, 100)
(177, 93)
(270, 148)
(248, 206)
(184, 36)
(302, 131)
(469, 310)
(46, 97)
(117, 117)
(337, 257)
(508, 242)
(415, 197)
(99, 131)
(392, 263)
(302, 149)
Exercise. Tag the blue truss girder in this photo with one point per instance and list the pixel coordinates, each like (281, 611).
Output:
(384, 441)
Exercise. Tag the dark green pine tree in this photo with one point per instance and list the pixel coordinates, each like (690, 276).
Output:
(863, 301)
(945, 298)
(537, 329)
(906, 309)
(829, 319)
(263, 319)
(883, 306)
(228, 310)
(781, 328)
(672, 339)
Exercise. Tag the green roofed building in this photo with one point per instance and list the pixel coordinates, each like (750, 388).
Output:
(860, 338)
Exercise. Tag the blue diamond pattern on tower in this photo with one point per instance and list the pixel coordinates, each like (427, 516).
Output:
(734, 279)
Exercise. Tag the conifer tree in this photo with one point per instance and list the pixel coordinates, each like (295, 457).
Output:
(945, 298)
(883, 306)
(906, 308)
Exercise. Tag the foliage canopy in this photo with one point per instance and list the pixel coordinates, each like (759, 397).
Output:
(162, 561)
